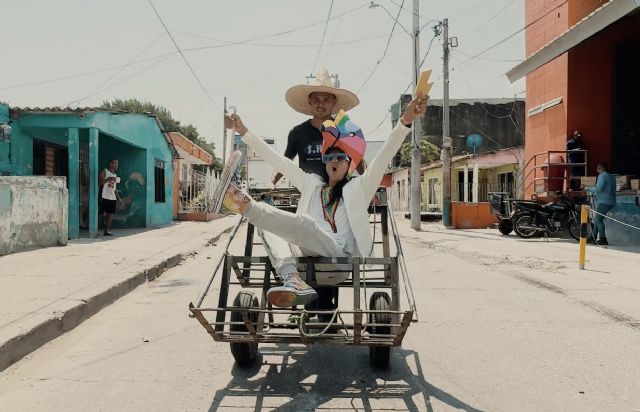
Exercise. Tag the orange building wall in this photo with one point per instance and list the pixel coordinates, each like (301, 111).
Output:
(579, 9)
(547, 130)
(472, 215)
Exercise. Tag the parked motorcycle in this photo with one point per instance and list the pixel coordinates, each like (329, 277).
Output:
(531, 218)
(500, 203)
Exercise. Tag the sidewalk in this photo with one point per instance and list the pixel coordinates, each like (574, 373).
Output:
(47, 292)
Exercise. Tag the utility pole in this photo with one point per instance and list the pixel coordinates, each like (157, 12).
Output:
(445, 154)
(224, 135)
(416, 198)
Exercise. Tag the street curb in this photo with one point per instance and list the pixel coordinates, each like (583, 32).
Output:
(18, 347)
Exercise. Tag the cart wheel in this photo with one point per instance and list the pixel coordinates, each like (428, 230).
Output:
(379, 355)
(244, 352)
(505, 226)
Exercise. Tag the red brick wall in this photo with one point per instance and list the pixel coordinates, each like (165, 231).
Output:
(546, 130)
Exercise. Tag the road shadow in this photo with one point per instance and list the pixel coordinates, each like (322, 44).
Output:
(297, 378)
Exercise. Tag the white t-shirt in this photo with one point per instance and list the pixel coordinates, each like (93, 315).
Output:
(344, 236)
(109, 188)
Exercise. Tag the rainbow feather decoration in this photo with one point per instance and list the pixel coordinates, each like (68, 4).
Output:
(345, 135)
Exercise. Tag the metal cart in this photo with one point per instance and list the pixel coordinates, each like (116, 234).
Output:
(250, 320)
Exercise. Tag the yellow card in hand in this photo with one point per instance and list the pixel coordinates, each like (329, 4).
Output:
(423, 87)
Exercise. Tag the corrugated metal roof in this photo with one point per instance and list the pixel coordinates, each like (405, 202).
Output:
(55, 109)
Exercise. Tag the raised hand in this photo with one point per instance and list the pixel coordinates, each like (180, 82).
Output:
(416, 107)
(234, 122)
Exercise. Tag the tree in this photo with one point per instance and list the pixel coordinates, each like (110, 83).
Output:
(428, 151)
(164, 115)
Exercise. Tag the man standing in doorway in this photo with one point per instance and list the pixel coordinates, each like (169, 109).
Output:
(109, 196)
(575, 143)
(605, 191)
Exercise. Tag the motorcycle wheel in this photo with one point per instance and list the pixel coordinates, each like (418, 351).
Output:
(574, 228)
(505, 226)
(524, 220)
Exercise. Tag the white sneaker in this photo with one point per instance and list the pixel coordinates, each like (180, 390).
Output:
(293, 292)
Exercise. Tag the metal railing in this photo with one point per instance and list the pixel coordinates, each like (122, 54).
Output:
(196, 191)
(538, 163)
(457, 192)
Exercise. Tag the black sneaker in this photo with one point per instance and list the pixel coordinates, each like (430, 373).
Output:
(603, 241)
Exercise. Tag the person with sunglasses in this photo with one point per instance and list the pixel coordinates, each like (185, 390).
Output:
(332, 218)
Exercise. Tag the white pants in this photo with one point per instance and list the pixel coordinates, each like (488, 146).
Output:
(286, 236)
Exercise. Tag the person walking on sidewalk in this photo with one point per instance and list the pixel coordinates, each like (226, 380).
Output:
(109, 196)
(332, 217)
(605, 191)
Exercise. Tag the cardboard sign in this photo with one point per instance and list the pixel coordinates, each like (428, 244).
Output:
(423, 87)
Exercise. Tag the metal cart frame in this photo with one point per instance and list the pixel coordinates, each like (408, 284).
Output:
(250, 320)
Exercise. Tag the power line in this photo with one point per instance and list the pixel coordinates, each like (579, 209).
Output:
(324, 33)
(85, 74)
(435, 35)
(184, 58)
(339, 24)
(293, 45)
(485, 24)
(512, 35)
(281, 33)
(114, 75)
(487, 58)
(96, 91)
(395, 21)
(373, 5)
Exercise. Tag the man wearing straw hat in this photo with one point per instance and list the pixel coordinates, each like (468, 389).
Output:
(321, 101)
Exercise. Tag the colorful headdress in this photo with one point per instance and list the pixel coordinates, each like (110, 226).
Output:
(345, 135)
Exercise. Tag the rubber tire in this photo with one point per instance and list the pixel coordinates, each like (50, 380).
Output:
(505, 226)
(379, 356)
(244, 353)
(517, 223)
(574, 228)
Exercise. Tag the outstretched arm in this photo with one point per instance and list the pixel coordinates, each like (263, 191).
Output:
(280, 163)
(370, 180)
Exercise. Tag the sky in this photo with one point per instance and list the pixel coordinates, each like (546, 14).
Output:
(79, 53)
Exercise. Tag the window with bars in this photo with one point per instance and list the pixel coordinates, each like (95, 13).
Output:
(159, 181)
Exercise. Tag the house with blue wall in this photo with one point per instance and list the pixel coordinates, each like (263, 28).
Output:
(78, 144)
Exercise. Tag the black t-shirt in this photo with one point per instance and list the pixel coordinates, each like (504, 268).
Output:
(305, 141)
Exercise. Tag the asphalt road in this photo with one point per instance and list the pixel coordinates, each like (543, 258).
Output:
(492, 336)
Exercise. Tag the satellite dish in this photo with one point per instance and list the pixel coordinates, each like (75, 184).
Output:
(474, 141)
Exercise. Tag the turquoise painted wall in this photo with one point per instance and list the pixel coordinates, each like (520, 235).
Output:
(134, 139)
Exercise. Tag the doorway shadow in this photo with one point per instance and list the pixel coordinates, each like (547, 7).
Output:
(297, 378)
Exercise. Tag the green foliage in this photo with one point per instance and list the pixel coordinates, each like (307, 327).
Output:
(428, 151)
(170, 124)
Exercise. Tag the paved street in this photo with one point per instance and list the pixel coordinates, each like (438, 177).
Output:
(505, 325)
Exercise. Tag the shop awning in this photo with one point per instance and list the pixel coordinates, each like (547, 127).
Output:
(598, 20)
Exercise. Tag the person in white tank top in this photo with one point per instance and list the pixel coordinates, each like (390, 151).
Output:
(109, 196)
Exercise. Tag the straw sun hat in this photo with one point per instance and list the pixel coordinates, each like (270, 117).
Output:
(298, 96)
